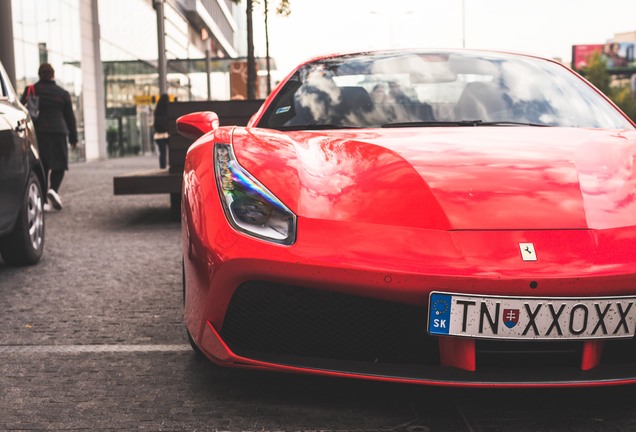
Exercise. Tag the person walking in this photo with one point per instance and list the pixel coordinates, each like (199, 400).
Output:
(161, 128)
(54, 125)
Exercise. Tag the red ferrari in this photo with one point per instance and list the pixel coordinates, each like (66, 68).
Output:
(459, 218)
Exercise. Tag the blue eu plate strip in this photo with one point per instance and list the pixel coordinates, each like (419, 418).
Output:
(439, 312)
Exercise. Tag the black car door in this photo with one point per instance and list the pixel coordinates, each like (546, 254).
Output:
(14, 150)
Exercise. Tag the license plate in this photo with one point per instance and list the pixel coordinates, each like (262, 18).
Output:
(497, 317)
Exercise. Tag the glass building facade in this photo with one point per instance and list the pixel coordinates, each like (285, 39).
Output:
(51, 31)
(48, 32)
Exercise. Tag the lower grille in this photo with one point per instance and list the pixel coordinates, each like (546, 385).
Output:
(528, 354)
(324, 330)
(276, 319)
(619, 351)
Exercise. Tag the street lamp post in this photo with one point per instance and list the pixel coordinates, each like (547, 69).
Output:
(463, 23)
(161, 46)
(267, 59)
(207, 41)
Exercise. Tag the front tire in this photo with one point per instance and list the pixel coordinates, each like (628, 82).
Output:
(25, 244)
(193, 344)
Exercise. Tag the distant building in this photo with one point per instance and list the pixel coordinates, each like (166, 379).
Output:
(625, 37)
(105, 54)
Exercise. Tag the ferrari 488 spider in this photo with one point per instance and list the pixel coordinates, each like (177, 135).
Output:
(441, 217)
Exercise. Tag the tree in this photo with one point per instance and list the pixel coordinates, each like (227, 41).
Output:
(622, 97)
(596, 73)
(282, 9)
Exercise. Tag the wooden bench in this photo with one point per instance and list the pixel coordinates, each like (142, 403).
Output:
(160, 181)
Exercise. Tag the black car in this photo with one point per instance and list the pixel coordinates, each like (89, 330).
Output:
(22, 182)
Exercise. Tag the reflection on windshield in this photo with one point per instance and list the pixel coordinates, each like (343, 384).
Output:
(374, 90)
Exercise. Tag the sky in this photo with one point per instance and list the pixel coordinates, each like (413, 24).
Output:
(547, 28)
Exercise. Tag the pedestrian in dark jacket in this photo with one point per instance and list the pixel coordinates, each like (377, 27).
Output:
(53, 126)
(161, 128)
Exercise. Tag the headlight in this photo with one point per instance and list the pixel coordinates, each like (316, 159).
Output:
(248, 205)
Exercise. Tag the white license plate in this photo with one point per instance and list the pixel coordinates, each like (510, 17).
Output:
(530, 317)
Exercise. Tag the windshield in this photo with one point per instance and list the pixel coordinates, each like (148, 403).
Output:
(437, 89)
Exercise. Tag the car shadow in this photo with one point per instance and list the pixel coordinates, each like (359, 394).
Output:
(416, 407)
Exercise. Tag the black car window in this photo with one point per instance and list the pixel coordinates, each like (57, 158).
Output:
(6, 91)
(3, 89)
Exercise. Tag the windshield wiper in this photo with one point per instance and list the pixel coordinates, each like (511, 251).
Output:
(511, 123)
(458, 124)
(314, 127)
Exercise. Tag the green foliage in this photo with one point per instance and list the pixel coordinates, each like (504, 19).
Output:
(596, 73)
(622, 97)
(283, 7)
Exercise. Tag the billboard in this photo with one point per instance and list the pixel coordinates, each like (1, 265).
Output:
(616, 54)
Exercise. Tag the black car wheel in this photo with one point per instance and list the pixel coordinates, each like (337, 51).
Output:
(194, 345)
(24, 245)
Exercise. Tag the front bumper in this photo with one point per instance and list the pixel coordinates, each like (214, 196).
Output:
(352, 301)
(292, 329)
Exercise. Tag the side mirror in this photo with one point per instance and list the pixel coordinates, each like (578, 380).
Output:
(197, 124)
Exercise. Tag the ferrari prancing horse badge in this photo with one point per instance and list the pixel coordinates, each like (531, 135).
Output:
(527, 252)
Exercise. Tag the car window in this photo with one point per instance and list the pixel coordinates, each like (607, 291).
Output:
(5, 89)
(382, 89)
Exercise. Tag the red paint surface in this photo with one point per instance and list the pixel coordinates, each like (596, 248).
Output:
(437, 209)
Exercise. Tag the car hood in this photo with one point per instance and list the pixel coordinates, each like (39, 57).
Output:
(462, 178)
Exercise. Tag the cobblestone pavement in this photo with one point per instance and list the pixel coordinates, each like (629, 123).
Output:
(92, 339)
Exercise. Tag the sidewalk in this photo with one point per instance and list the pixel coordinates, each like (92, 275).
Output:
(111, 269)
